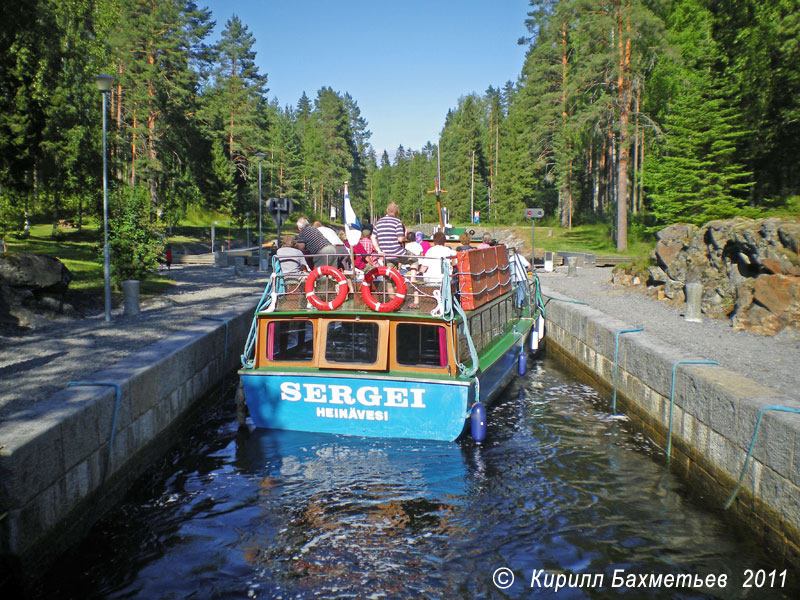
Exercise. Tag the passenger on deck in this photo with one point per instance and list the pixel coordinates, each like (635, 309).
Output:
(336, 239)
(519, 272)
(293, 261)
(310, 241)
(390, 236)
(465, 240)
(486, 241)
(413, 246)
(434, 256)
(422, 242)
(363, 252)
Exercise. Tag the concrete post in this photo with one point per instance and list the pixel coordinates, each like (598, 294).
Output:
(238, 266)
(548, 262)
(130, 302)
(694, 296)
(572, 266)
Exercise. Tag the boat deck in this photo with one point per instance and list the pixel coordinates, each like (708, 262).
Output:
(477, 277)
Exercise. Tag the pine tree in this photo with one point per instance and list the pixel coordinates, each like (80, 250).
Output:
(154, 48)
(285, 140)
(695, 177)
(461, 136)
(222, 179)
(232, 101)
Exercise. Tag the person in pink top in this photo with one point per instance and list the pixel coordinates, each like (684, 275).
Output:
(425, 245)
(363, 250)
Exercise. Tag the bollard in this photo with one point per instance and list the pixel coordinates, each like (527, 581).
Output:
(238, 266)
(572, 266)
(548, 262)
(220, 259)
(130, 303)
(694, 296)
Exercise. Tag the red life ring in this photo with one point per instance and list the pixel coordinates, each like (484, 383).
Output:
(330, 272)
(399, 283)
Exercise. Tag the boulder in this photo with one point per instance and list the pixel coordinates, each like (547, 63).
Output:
(36, 272)
(779, 294)
(31, 286)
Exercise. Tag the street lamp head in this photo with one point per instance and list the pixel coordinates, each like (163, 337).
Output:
(104, 83)
(259, 155)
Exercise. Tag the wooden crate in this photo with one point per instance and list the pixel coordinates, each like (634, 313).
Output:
(471, 279)
(503, 269)
(490, 265)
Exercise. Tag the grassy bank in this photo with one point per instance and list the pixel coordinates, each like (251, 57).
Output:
(581, 238)
(81, 253)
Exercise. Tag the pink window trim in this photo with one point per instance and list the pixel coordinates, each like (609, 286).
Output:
(271, 341)
(442, 347)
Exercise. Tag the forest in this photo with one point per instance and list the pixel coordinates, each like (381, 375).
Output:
(638, 113)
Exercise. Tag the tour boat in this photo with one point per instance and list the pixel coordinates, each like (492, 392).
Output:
(389, 354)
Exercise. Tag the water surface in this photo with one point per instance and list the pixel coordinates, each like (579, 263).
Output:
(559, 487)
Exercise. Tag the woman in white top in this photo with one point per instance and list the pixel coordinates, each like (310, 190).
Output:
(412, 245)
(433, 258)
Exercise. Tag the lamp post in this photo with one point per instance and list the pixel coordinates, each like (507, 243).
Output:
(259, 156)
(104, 83)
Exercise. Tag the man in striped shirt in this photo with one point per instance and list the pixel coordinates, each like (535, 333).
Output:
(390, 235)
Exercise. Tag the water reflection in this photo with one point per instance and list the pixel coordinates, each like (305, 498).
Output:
(559, 485)
(355, 508)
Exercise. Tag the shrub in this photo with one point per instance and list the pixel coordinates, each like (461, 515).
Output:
(134, 242)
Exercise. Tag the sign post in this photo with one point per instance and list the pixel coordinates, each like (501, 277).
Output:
(280, 209)
(533, 214)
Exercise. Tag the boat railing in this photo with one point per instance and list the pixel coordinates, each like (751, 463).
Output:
(475, 277)
(472, 279)
(290, 291)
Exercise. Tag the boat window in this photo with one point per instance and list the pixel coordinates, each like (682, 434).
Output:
(421, 345)
(352, 342)
(476, 331)
(290, 341)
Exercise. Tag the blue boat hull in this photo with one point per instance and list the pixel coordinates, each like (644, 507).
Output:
(356, 405)
(497, 376)
(374, 406)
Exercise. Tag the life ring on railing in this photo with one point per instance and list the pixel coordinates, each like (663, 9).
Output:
(399, 283)
(341, 281)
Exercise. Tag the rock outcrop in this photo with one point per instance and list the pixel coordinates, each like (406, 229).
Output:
(31, 284)
(750, 270)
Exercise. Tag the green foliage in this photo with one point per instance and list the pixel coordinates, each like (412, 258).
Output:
(135, 244)
(221, 180)
(11, 217)
(714, 111)
(694, 176)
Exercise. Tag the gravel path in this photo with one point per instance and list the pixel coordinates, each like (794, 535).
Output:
(771, 361)
(35, 365)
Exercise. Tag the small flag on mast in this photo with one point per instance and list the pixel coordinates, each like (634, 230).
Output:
(352, 227)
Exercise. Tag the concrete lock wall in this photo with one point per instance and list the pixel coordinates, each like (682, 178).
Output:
(57, 475)
(714, 418)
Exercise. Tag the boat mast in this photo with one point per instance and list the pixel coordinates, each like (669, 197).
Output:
(437, 187)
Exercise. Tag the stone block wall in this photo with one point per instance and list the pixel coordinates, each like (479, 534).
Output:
(713, 419)
(58, 476)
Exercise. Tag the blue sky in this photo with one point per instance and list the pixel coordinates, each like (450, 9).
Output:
(405, 62)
